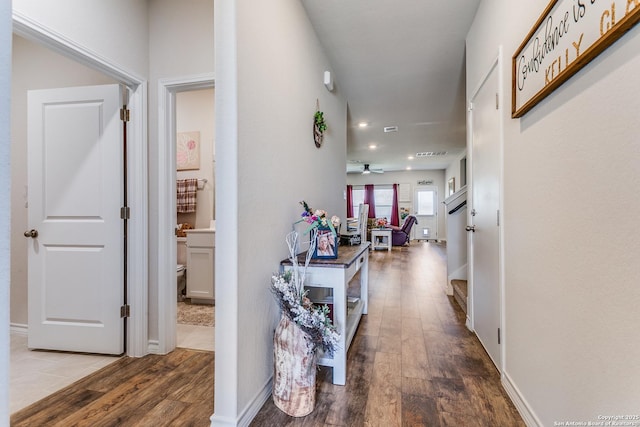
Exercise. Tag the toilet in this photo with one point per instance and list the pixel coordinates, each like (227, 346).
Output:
(181, 281)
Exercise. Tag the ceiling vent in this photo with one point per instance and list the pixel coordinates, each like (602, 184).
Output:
(431, 153)
(388, 129)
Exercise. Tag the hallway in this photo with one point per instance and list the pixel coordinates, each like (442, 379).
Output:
(412, 361)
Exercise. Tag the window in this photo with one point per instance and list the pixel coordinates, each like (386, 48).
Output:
(357, 198)
(425, 203)
(383, 197)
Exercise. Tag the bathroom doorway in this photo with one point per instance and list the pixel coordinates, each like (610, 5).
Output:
(187, 118)
(195, 210)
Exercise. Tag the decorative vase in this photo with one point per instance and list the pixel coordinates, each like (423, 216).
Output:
(294, 383)
(318, 135)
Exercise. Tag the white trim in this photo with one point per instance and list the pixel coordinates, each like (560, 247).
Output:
(249, 412)
(137, 324)
(523, 407)
(167, 290)
(19, 329)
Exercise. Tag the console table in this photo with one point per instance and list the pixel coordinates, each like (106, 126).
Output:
(335, 275)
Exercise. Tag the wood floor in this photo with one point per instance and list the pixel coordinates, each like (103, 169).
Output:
(412, 361)
(171, 390)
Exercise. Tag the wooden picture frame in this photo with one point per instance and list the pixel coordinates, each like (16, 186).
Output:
(565, 38)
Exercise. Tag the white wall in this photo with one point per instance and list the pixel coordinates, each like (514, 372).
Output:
(180, 44)
(269, 77)
(5, 180)
(195, 112)
(453, 171)
(33, 67)
(114, 29)
(411, 178)
(570, 226)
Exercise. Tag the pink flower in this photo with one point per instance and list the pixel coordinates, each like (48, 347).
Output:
(191, 145)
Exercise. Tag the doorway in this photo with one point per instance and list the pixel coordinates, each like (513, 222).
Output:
(426, 211)
(94, 71)
(486, 293)
(168, 90)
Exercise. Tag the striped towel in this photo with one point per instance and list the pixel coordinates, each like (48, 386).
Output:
(186, 191)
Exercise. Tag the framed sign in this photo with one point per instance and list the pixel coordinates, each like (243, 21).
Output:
(566, 37)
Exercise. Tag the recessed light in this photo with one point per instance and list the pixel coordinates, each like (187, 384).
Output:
(408, 168)
(372, 146)
(363, 124)
(410, 158)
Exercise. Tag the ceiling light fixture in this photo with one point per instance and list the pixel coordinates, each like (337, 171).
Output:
(363, 124)
(372, 146)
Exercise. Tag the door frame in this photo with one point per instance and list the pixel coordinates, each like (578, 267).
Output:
(137, 271)
(436, 210)
(496, 64)
(167, 290)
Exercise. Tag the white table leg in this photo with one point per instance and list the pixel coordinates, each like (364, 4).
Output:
(340, 320)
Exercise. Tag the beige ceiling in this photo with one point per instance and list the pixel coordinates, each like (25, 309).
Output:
(400, 63)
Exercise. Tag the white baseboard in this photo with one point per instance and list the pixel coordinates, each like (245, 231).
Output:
(249, 412)
(19, 329)
(520, 403)
(153, 347)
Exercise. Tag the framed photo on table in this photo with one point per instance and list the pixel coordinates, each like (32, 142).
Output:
(326, 244)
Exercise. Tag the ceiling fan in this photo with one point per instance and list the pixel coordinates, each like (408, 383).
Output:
(367, 170)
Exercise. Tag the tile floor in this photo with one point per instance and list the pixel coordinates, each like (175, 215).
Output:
(36, 374)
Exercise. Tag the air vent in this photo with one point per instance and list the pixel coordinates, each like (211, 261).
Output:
(391, 129)
(431, 153)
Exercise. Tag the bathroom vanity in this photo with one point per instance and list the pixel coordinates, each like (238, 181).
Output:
(200, 262)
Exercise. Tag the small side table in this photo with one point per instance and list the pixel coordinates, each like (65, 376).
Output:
(381, 238)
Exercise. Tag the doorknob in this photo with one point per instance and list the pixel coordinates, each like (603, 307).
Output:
(471, 228)
(31, 233)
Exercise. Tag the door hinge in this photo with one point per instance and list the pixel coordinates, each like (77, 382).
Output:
(125, 310)
(497, 102)
(125, 212)
(498, 335)
(124, 113)
(498, 217)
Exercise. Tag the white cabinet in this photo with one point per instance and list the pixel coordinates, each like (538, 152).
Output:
(200, 262)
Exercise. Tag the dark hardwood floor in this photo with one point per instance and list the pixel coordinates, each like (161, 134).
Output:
(412, 361)
(171, 390)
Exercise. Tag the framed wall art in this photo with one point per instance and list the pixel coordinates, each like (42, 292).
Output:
(188, 151)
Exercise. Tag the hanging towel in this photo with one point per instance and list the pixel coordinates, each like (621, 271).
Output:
(186, 191)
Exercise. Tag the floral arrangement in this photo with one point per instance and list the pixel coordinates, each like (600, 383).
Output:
(288, 289)
(381, 222)
(319, 218)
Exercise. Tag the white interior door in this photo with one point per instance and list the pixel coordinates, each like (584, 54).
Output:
(75, 174)
(485, 216)
(426, 212)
